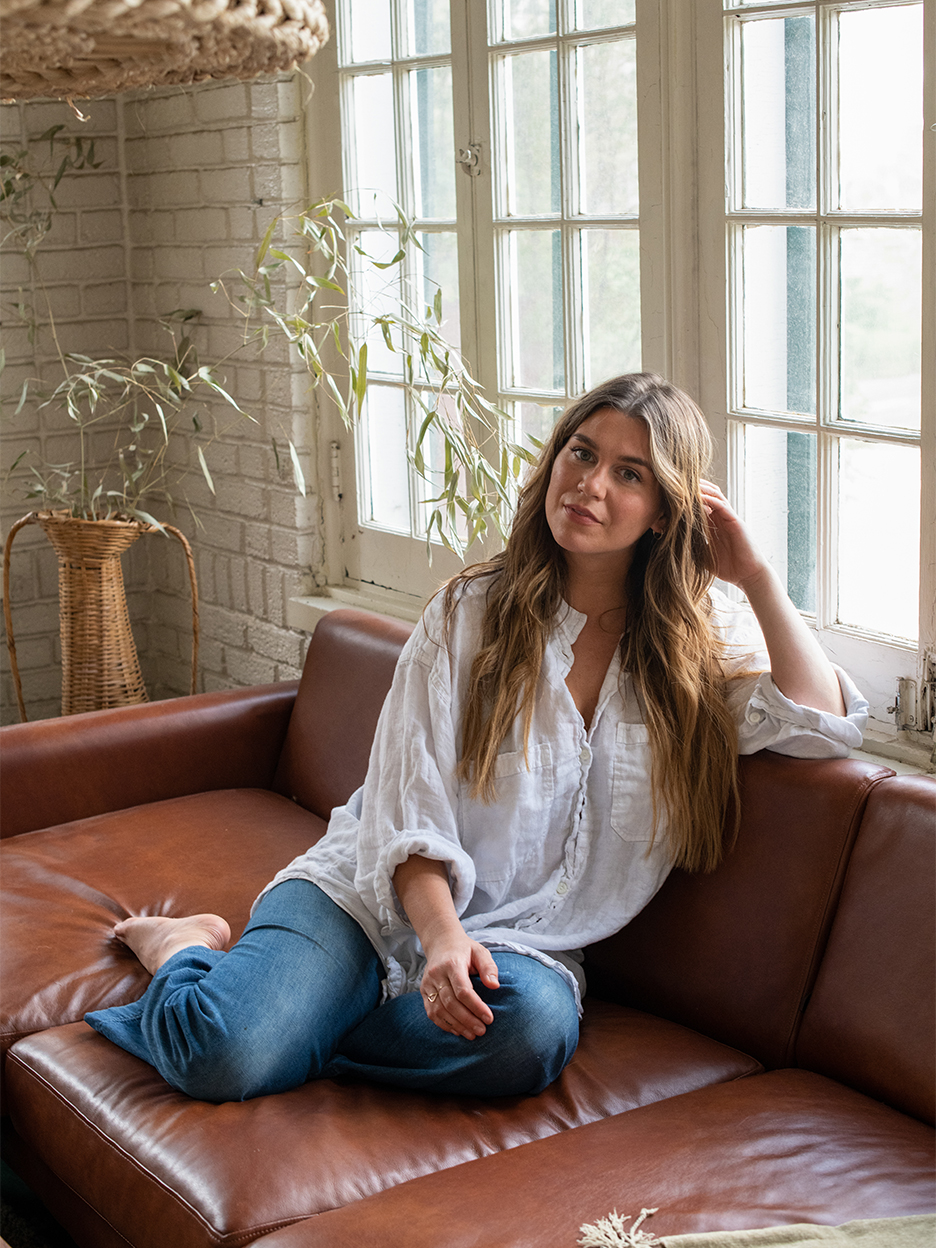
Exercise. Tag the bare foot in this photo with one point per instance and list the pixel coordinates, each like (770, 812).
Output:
(154, 939)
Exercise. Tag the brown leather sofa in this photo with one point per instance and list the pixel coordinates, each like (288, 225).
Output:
(757, 1048)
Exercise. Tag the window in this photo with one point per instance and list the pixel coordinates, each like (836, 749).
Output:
(777, 276)
(823, 224)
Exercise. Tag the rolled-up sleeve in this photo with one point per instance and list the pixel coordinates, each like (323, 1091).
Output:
(770, 721)
(409, 802)
(766, 718)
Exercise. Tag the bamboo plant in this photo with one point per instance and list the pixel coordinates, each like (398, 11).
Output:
(335, 309)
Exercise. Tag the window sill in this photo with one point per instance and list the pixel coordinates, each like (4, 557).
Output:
(305, 612)
(906, 757)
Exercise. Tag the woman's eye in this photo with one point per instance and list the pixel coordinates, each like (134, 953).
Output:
(629, 475)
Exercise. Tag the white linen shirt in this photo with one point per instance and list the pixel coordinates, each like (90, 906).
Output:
(562, 858)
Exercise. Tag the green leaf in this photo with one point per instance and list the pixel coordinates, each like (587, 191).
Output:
(264, 246)
(204, 468)
(360, 388)
(298, 475)
(147, 518)
(384, 264)
(322, 283)
(22, 399)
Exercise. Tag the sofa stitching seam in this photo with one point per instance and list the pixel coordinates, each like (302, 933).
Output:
(243, 1236)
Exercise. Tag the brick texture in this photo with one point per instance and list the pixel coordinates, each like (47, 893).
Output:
(188, 182)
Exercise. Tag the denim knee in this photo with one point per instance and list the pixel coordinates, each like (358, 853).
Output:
(536, 1029)
(238, 1064)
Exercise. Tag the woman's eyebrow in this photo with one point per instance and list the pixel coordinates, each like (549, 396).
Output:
(621, 459)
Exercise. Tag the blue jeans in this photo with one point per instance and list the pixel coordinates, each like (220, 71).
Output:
(297, 998)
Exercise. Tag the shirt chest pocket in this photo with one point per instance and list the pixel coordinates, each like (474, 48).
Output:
(631, 801)
(501, 835)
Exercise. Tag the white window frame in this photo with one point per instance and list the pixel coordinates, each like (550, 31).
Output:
(685, 299)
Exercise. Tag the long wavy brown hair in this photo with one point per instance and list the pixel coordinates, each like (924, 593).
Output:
(668, 646)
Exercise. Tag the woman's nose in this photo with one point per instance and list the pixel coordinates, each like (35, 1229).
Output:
(592, 482)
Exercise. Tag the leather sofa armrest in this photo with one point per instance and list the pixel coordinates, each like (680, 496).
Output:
(58, 770)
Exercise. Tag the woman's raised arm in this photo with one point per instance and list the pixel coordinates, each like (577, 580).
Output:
(798, 667)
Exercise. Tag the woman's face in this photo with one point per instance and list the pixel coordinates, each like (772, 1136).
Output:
(602, 494)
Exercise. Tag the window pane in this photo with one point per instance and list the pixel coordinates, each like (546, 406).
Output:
(425, 27)
(879, 525)
(368, 22)
(779, 113)
(881, 108)
(880, 318)
(594, 14)
(780, 505)
(535, 420)
(530, 102)
(521, 19)
(430, 484)
(438, 271)
(382, 451)
(611, 300)
(606, 76)
(534, 291)
(371, 155)
(433, 143)
(378, 292)
(779, 317)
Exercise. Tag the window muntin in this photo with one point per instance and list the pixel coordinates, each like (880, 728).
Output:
(566, 223)
(824, 328)
(803, 188)
(397, 116)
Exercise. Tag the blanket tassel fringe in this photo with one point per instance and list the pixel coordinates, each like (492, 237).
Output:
(610, 1232)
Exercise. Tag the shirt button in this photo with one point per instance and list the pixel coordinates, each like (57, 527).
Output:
(584, 754)
(755, 716)
(562, 887)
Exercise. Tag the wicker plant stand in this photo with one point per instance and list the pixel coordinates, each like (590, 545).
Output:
(100, 666)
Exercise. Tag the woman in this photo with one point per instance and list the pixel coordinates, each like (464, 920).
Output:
(563, 728)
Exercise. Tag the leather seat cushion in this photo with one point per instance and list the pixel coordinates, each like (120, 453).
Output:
(163, 1169)
(64, 888)
(784, 1147)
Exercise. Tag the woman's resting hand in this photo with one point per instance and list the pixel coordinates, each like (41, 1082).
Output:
(451, 957)
(446, 989)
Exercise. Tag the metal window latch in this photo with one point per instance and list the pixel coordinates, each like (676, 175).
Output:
(470, 159)
(916, 708)
(335, 450)
(904, 709)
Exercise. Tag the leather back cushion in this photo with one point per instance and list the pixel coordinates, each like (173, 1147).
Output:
(871, 1021)
(348, 671)
(734, 953)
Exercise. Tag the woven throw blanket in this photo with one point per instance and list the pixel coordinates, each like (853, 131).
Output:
(625, 1232)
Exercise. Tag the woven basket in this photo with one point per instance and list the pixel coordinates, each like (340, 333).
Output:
(100, 666)
(90, 48)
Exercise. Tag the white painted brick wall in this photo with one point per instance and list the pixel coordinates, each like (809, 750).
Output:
(82, 264)
(203, 171)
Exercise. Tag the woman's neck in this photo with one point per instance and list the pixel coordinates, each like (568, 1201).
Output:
(598, 592)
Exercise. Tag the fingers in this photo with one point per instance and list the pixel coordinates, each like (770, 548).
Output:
(462, 1013)
(486, 967)
(451, 1002)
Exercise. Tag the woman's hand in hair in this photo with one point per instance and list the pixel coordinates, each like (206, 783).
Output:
(799, 668)
(739, 562)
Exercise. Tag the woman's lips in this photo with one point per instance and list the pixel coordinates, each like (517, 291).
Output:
(580, 515)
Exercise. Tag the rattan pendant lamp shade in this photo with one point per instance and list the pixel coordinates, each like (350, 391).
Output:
(89, 48)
